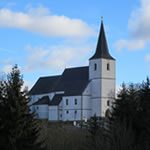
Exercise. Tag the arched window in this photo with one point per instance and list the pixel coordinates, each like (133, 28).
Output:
(108, 66)
(108, 113)
(95, 67)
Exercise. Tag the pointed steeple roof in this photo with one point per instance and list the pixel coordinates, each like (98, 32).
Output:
(102, 48)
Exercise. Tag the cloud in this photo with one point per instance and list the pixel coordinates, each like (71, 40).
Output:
(56, 57)
(41, 21)
(147, 58)
(35, 59)
(7, 61)
(138, 28)
(130, 44)
(4, 50)
(27, 84)
(7, 69)
(139, 23)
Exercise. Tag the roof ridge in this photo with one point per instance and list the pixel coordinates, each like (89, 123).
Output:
(77, 67)
(50, 76)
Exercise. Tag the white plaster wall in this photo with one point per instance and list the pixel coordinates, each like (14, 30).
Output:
(87, 90)
(95, 88)
(96, 107)
(86, 102)
(87, 107)
(86, 98)
(71, 116)
(101, 71)
(102, 84)
(108, 87)
(96, 97)
(104, 105)
(108, 73)
(41, 111)
(60, 111)
(53, 113)
(108, 84)
(71, 107)
(94, 73)
(60, 105)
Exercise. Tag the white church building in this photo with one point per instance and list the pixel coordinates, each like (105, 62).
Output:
(78, 93)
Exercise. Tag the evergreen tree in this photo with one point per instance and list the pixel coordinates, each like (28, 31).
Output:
(125, 104)
(142, 124)
(98, 134)
(131, 111)
(94, 126)
(18, 128)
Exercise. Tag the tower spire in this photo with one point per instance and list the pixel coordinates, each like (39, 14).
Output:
(102, 48)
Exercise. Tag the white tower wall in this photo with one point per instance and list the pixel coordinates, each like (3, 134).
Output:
(102, 78)
(107, 83)
(94, 77)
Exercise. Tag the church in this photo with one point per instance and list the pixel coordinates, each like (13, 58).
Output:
(80, 92)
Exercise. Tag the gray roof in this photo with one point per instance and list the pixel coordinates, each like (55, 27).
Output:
(102, 48)
(56, 100)
(44, 85)
(73, 81)
(46, 101)
(42, 101)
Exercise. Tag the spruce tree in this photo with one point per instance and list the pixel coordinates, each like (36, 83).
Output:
(94, 126)
(18, 128)
(131, 111)
(97, 134)
(142, 125)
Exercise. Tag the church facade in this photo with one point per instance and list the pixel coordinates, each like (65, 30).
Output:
(78, 93)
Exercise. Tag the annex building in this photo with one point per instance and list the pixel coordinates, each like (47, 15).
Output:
(78, 93)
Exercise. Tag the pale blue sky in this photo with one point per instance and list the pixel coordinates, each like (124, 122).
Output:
(45, 36)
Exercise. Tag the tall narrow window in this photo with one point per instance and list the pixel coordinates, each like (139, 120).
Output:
(67, 112)
(75, 101)
(108, 66)
(95, 67)
(66, 101)
(108, 103)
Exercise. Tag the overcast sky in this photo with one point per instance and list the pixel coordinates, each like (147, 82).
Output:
(45, 37)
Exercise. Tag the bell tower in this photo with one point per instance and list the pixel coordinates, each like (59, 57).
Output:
(101, 76)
